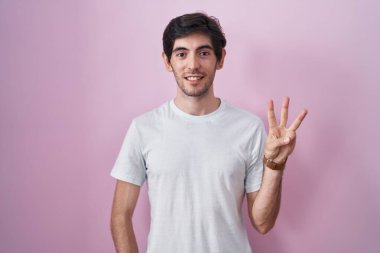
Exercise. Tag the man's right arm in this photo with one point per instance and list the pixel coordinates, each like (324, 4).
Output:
(124, 203)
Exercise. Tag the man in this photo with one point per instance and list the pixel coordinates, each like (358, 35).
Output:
(200, 156)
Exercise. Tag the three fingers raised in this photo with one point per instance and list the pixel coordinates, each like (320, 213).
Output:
(284, 115)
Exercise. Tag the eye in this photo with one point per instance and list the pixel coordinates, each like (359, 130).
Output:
(180, 54)
(204, 53)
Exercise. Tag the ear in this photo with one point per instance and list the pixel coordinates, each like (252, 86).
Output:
(219, 64)
(168, 66)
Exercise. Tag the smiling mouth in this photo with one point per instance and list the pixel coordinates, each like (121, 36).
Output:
(193, 78)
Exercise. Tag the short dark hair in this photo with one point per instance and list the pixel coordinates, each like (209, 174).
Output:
(194, 23)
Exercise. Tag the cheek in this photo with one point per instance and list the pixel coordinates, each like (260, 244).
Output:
(177, 75)
(176, 68)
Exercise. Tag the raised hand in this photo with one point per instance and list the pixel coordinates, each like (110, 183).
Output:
(281, 140)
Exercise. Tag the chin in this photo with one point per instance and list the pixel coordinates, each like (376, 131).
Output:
(196, 93)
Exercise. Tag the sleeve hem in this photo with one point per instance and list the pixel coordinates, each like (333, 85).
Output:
(253, 188)
(127, 178)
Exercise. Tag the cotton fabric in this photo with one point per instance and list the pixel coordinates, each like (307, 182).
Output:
(197, 169)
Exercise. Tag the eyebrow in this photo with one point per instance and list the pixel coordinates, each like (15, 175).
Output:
(199, 48)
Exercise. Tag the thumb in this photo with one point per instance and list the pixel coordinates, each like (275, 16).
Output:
(284, 140)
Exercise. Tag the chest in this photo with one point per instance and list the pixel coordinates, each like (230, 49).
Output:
(196, 151)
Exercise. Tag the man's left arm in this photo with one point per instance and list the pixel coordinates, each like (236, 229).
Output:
(264, 205)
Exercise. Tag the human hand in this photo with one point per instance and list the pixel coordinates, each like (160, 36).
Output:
(281, 140)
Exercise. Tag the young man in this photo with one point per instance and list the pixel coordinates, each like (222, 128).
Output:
(200, 156)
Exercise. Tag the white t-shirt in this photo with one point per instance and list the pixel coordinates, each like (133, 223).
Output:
(198, 169)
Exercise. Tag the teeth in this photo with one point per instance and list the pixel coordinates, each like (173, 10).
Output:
(193, 78)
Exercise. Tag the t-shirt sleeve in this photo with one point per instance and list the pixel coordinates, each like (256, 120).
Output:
(254, 172)
(130, 163)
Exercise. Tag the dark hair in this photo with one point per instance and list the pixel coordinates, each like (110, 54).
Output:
(194, 23)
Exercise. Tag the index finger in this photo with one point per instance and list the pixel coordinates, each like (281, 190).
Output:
(271, 116)
(298, 120)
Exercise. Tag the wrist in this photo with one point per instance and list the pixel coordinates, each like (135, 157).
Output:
(273, 164)
(273, 174)
(280, 161)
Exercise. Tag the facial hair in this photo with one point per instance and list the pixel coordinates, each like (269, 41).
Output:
(180, 82)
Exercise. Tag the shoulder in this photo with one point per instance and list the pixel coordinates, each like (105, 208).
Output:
(242, 116)
(152, 117)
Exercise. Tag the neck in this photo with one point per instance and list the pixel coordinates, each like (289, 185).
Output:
(197, 105)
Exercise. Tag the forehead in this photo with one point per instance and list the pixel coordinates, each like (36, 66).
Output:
(193, 41)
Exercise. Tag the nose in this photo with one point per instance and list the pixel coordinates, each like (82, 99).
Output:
(193, 62)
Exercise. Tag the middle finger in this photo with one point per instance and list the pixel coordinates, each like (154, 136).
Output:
(284, 112)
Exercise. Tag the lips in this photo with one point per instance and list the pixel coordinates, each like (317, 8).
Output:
(193, 77)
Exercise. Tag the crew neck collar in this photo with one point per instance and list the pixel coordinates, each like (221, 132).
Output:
(178, 111)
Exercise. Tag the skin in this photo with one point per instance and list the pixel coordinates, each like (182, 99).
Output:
(264, 205)
(194, 56)
(124, 202)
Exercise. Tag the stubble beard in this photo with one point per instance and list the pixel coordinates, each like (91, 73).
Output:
(198, 93)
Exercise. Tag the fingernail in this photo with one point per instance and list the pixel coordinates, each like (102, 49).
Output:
(286, 140)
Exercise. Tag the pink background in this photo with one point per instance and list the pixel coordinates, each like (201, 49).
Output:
(74, 73)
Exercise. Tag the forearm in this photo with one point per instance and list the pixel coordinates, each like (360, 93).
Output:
(267, 204)
(123, 234)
